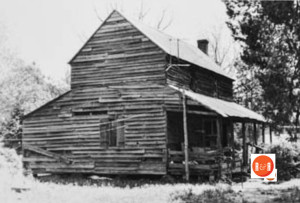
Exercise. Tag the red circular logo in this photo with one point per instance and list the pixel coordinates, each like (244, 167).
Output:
(262, 166)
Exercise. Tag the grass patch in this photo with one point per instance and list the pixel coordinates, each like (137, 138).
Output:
(121, 181)
(291, 195)
(217, 195)
(113, 181)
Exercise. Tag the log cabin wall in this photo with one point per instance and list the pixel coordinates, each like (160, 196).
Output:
(202, 81)
(199, 80)
(117, 78)
(119, 89)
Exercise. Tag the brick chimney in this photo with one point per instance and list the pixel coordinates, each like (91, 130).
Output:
(203, 45)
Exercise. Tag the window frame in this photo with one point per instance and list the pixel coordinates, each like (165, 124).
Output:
(112, 132)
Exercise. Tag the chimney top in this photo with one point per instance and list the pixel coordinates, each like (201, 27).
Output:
(203, 45)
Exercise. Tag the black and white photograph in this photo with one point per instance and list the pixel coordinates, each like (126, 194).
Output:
(149, 101)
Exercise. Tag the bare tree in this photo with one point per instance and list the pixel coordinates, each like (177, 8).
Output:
(98, 15)
(162, 23)
(222, 49)
(142, 12)
(82, 36)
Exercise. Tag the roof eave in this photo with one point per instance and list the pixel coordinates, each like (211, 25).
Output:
(77, 53)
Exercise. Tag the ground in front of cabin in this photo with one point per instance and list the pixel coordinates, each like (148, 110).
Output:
(14, 187)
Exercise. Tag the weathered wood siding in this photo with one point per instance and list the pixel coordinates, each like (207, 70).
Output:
(118, 73)
(117, 54)
(200, 80)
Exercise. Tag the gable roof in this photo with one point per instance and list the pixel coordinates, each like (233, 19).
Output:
(222, 107)
(46, 104)
(172, 46)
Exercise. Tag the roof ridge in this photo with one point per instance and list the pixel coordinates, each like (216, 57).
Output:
(168, 47)
(187, 52)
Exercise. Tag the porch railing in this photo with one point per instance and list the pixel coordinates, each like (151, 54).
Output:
(202, 163)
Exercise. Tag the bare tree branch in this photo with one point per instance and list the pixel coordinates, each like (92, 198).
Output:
(116, 6)
(142, 13)
(162, 17)
(98, 16)
(161, 20)
(82, 37)
(168, 24)
(221, 51)
(162, 23)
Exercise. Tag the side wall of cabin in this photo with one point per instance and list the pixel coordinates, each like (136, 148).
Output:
(207, 131)
(199, 80)
(113, 120)
(204, 82)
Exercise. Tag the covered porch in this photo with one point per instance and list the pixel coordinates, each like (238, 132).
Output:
(218, 139)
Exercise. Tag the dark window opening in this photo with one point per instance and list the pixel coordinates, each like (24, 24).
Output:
(210, 133)
(202, 132)
(112, 133)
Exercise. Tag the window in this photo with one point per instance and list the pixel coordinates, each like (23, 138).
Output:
(202, 130)
(210, 132)
(112, 132)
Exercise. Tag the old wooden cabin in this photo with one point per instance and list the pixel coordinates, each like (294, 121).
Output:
(124, 112)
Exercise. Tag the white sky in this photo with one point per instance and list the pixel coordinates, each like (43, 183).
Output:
(50, 32)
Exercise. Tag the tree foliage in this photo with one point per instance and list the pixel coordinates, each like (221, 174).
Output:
(11, 129)
(23, 89)
(270, 35)
(287, 159)
(27, 88)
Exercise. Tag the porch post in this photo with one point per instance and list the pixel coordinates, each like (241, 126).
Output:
(219, 133)
(245, 151)
(254, 133)
(186, 144)
(255, 136)
(263, 132)
(219, 144)
(270, 129)
(232, 142)
(227, 132)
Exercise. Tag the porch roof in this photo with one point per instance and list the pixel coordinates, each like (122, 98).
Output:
(222, 107)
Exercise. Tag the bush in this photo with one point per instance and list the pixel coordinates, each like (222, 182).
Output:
(10, 161)
(217, 195)
(287, 159)
(292, 195)
(11, 130)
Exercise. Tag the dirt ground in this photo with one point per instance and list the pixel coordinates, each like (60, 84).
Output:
(33, 191)
(257, 191)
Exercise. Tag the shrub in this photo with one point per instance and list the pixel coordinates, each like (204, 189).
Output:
(10, 160)
(217, 195)
(292, 195)
(287, 159)
(11, 129)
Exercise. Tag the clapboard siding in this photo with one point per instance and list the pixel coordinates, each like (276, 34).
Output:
(118, 54)
(78, 137)
(119, 73)
(199, 80)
